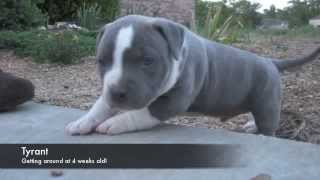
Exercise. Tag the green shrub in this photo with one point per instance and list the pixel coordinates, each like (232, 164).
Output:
(49, 47)
(89, 16)
(67, 10)
(92, 34)
(305, 31)
(63, 47)
(8, 40)
(20, 15)
(109, 9)
(273, 32)
(62, 10)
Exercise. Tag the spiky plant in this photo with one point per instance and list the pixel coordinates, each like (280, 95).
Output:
(214, 29)
(89, 16)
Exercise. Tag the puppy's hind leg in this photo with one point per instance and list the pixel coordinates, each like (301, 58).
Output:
(267, 117)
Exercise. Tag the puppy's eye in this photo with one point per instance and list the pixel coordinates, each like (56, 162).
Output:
(101, 62)
(147, 61)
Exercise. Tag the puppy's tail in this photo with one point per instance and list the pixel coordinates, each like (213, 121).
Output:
(286, 64)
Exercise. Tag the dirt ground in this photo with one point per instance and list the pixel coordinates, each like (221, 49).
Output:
(78, 86)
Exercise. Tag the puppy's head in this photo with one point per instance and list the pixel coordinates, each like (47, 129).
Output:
(138, 60)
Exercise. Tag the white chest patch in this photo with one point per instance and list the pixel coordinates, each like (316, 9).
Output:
(172, 77)
(123, 42)
(174, 74)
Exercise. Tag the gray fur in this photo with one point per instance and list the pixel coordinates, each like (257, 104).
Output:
(214, 79)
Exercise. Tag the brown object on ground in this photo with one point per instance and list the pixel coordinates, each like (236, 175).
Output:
(262, 177)
(56, 173)
(14, 91)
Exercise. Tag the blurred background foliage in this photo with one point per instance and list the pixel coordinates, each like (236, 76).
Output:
(20, 14)
(24, 14)
(297, 13)
(68, 10)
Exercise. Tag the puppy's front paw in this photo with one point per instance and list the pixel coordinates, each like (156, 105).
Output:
(113, 126)
(80, 127)
(128, 122)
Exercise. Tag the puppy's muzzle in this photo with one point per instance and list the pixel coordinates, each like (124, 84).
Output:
(118, 94)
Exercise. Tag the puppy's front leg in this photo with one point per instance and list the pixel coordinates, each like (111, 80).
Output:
(128, 121)
(97, 114)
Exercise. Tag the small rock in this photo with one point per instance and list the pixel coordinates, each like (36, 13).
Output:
(56, 173)
(262, 177)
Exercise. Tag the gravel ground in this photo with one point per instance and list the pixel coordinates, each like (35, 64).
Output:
(78, 86)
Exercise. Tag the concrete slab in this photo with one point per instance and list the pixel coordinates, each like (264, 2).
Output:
(281, 159)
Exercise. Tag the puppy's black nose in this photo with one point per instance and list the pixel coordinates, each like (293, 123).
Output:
(118, 94)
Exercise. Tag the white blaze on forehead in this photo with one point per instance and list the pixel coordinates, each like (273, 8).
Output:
(123, 42)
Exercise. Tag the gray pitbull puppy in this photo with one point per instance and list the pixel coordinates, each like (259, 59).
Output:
(153, 69)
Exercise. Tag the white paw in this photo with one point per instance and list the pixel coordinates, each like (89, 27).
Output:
(114, 125)
(250, 127)
(80, 127)
(128, 122)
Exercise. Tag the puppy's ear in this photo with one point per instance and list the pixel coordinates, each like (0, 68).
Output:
(173, 33)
